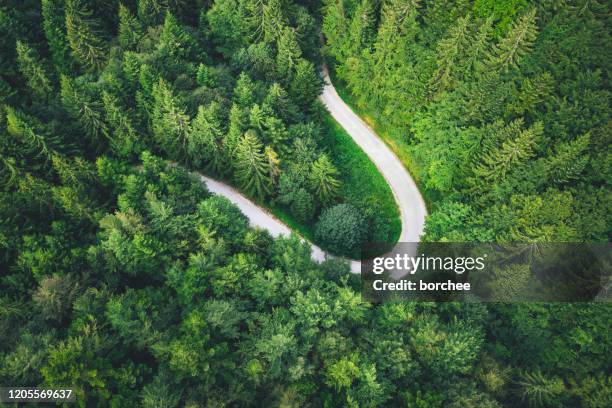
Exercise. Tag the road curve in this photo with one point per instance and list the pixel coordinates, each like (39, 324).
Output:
(261, 218)
(411, 205)
(408, 197)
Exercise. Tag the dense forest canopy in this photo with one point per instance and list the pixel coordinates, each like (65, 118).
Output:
(122, 276)
(502, 108)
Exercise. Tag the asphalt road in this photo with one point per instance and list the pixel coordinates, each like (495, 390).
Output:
(411, 205)
(407, 196)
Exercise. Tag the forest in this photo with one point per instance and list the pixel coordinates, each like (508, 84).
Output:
(122, 276)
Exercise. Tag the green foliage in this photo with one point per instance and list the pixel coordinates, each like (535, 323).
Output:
(253, 171)
(84, 36)
(342, 229)
(32, 70)
(323, 180)
(122, 276)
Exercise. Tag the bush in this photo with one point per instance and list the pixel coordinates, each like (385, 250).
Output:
(341, 229)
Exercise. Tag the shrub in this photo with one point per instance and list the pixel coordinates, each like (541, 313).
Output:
(341, 229)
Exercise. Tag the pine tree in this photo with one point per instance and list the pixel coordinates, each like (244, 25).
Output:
(513, 151)
(83, 35)
(244, 91)
(32, 70)
(273, 21)
(252, 168)
(569, 161)
(335, 23)
(323, 180)
(130, 29)
(273, 163)
(81, 108)
(204, 145)
(237, 126)
(361, 29)
(306, 85)
(54, 25)
(175, 43)
(28, 133)
(151, 11)
(124, 140)
(515, 45)
(169, 122)
(448, 51)
(288, 54)
(477, 50)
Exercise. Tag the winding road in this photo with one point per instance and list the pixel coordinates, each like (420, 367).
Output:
(410, 202)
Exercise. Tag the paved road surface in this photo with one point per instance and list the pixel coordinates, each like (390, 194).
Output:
(411, 205)
(409, 200)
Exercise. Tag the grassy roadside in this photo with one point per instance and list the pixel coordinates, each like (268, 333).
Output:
(362, 184)
(398, 146)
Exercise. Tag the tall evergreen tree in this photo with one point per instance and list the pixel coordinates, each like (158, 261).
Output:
(517, 147)
(252, 167)
(54, 25)
(204, 145)
(323, 180)
(130, 28)
(514, 45)
(33, 71)
(169, 122)
(84, 36)
(86, 111)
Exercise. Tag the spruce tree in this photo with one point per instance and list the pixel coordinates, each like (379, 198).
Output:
(84, 36)
(252, 167)
(130, 29)
(323, 180)
(569, 160)
(33, 71)
(288, 54)
(449, 50)
(169, 122)
(54, 25)
(204, 145)
(519, 148)
(82, 108)
(517, 42)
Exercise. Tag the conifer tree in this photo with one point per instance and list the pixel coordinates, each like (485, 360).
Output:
(151, 12)
(306, 84)
(84, 36)
(448, 51)
(244, 91)
(273, 21)
(130, 29)
(252, 168)
(335, 23)
(237, 126)
(28, 133)
(273, 163)
(513, 151)
(323, 180)
(54, 25)
(169, 122)
(83, 109)
(124, 139)
(204, 145)
(288, 54)
(32, 70)
(517, 42)
(361, 29)
(569, 160)
(175, 43)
